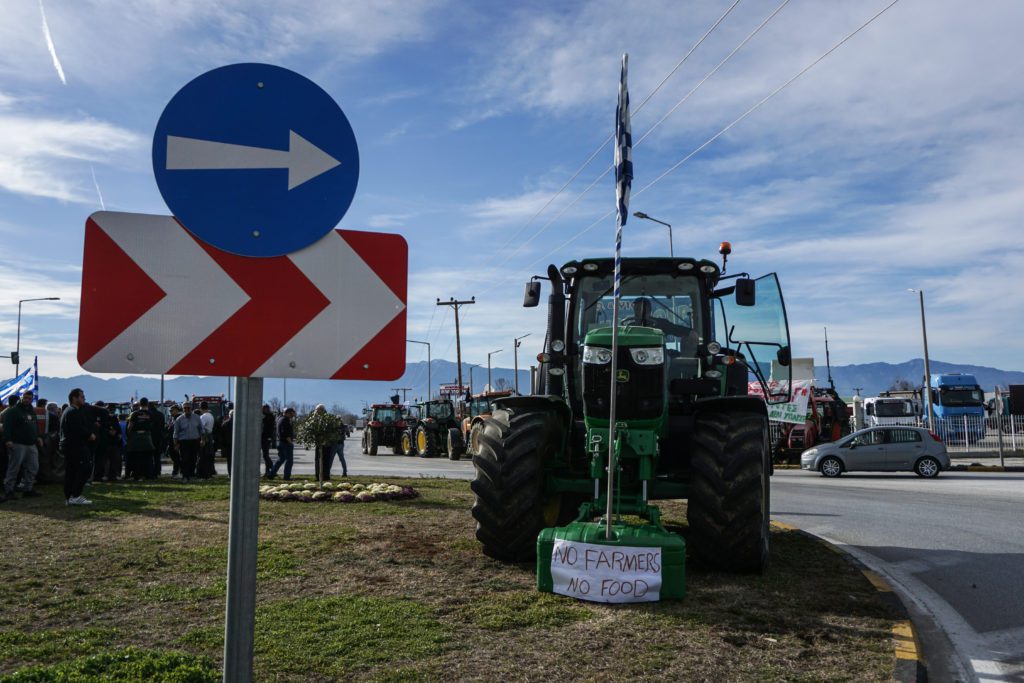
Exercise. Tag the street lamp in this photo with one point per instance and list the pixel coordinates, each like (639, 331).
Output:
(927, 389)
(490, 386)
(517, 343)
(17, 351)
(472, 365)
(430, 385)
(641, 214)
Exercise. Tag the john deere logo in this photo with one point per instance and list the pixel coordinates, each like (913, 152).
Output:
(622, 376)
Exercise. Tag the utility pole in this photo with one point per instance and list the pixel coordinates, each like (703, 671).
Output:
(516, 343)
(458, 341)
(430, 383)
(403, 390)
(828, 363)
(926, 390)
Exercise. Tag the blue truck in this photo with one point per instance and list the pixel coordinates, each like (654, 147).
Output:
(959, 405)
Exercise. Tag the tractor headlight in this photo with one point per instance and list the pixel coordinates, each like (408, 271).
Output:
(596, 355)
(647, 356)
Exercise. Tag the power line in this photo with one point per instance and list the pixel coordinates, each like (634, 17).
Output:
(714, 137)
(650, 130)
(632, 113)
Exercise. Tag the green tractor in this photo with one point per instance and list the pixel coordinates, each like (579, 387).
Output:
(686, 427)
(432, 428)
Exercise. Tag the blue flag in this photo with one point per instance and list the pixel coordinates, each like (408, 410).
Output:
(26, 381)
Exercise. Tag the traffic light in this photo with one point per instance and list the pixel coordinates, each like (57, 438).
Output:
(15, 358)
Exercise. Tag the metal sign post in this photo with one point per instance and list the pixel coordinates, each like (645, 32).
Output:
(243, 528)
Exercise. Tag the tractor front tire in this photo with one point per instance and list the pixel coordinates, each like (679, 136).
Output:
(728, 509)
(405, 439)
(363, 441)
(426, 442)
(373, 441)
(474, 438)
(510, 507)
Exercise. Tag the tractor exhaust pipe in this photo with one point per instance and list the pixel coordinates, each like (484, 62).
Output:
(553, 376)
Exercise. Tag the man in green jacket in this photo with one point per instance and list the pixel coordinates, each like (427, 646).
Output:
(22, 440)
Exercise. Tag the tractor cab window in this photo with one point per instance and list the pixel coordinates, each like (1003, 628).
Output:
(479, 406)
(386, 415)
(439, 411)
(669, 303)
(760, 332)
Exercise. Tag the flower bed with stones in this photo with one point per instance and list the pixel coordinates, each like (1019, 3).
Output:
(343, 492)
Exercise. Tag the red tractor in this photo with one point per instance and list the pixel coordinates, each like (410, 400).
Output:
(828, 419)
(385, 423)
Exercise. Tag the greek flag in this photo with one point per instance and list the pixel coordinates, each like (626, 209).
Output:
(26, 381)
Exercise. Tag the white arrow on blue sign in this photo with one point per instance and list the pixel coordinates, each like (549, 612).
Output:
(255, 159)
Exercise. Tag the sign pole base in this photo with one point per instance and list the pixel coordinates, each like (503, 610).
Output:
(243, 528)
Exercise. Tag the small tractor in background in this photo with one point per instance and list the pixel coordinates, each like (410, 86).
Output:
(385, 424)
(828, 419)
(431, 429)
(474, 411)
(685, 424)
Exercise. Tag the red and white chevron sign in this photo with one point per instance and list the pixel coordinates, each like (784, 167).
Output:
(155, 300)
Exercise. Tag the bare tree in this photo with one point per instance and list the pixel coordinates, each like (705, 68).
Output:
(900, 384)
(275, 405)
(501, 384)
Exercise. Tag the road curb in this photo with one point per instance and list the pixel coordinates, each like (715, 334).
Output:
(910, 667)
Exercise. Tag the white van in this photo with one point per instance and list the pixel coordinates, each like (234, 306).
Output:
(881, 410)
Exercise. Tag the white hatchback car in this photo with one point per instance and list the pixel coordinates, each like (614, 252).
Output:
(880, 449)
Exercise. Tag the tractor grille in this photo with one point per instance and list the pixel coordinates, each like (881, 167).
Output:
(639, 398)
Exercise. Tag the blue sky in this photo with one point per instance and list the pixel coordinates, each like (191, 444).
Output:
(894, 163)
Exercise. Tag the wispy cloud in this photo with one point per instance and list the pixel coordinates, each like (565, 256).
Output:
(40, 153)
(50, 46)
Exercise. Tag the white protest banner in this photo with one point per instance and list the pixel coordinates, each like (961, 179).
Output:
(795, 410)
(602, 573)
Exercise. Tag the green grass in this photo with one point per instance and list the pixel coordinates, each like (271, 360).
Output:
(504, 611)
(339, 635)
(129, 665)
(393, 591)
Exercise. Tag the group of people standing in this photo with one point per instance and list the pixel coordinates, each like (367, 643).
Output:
(94, 443)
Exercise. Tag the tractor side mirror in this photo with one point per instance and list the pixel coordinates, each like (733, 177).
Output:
(782, 355)
(745, 292)
(531, 298)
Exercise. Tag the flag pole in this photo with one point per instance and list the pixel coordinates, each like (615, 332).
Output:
(623, 180)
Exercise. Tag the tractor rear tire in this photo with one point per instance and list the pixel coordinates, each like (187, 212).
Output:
(728, 510)
(510, 504)
(456, 447)
(372, 441)
(426, 442)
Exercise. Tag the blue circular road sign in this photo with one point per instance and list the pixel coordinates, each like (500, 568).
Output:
(255, 159)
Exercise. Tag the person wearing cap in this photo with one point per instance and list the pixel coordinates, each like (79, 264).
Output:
(141, 443)
(159, 442)
(22, 440)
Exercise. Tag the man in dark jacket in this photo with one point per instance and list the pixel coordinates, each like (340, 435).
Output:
(159, 442)
(76, 434)
(285, 445)
(141, 444)
(22, 439)
(267, 437)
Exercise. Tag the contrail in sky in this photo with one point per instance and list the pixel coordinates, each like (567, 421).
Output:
(98, 193)
(49, 44)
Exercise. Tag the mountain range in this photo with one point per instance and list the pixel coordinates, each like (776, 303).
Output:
(869, 378)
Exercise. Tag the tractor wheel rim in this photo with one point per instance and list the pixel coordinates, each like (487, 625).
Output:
(831, 467)
(421, 440)
(927, 468)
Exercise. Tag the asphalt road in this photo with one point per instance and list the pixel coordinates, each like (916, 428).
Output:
(952, 546)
